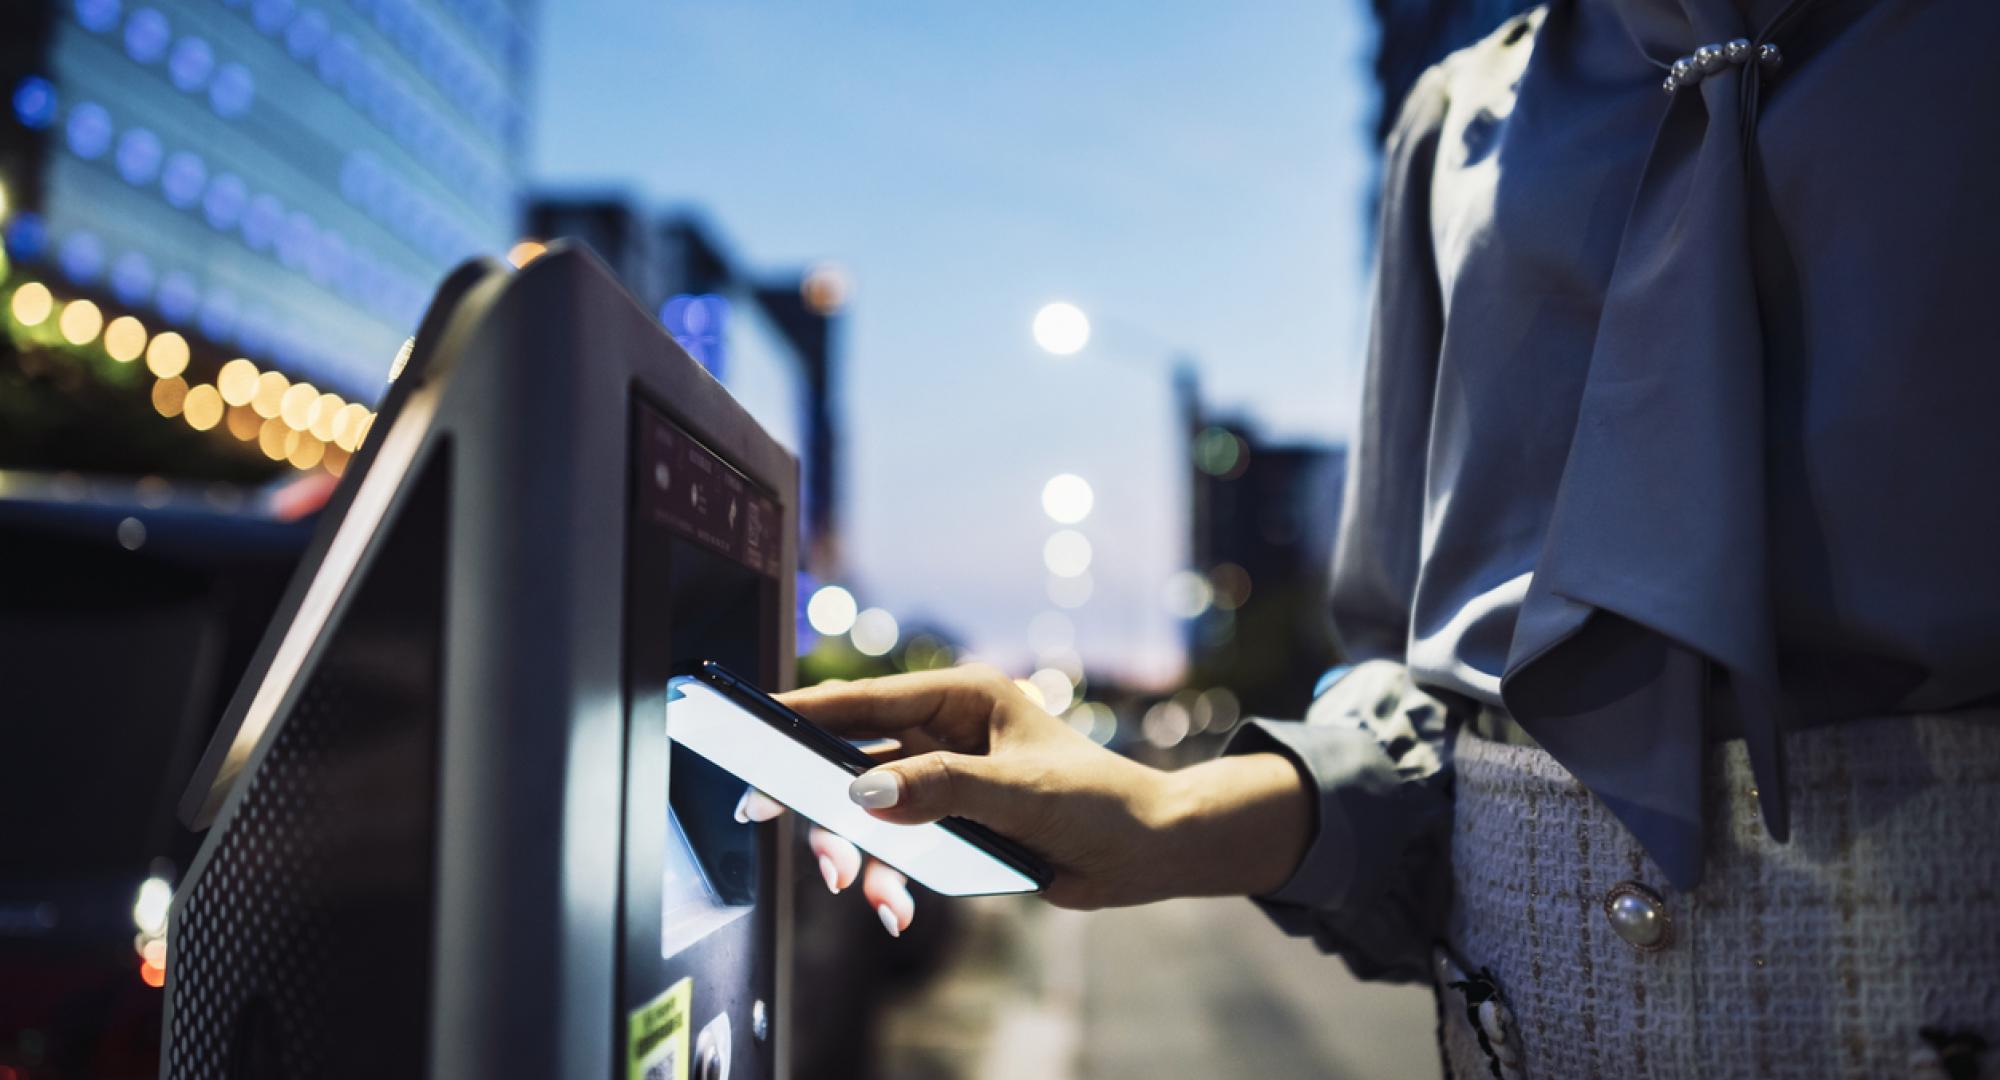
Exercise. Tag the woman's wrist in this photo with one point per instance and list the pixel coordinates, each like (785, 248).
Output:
(1235, 826)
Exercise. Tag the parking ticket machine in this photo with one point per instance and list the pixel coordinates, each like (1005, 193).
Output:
(445, 834)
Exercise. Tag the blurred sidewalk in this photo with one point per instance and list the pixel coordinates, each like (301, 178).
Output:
(1193, 988)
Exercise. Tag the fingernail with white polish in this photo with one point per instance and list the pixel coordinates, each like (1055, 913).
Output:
(876, 790)
(831, 873)
(889, 921)
(743, 808)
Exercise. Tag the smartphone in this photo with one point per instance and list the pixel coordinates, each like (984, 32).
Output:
(747, 733)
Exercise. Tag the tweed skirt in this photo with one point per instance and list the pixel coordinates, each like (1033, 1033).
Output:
(1867, 946)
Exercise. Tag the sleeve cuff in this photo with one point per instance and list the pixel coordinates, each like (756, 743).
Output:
(1332, 761)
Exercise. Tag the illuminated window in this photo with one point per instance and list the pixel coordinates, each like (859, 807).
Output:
(222, 206)
(89, 131)
(232, 91)
(182, 179)
(132, 278)
(82, 257)
(35, 103)
(192, 62)
(138, 156)
(97, 16)
(306, 34)
(147, 35)
(27, 236)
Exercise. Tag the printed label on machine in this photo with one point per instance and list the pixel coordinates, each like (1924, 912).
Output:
(659, 1035)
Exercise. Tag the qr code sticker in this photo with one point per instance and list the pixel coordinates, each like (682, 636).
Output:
(668, 1066)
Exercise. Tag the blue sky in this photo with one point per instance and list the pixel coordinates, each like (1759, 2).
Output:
(1193, 175)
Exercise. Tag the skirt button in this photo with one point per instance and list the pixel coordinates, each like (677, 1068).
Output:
(1639, 916)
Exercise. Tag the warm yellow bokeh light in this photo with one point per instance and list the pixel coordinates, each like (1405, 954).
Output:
(277, 440)
(81, 322)
(125, 339)
(243, 421)
(167, 356)
(270, 395)
(323, 420)
(347, 426)
(300, 406)
(525, 252)
(335, 460)
(307, 453)
(203, 409)
(169, 395)
(238, 381)
(33, 303)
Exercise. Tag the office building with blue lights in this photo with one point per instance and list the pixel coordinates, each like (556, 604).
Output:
(282, 181)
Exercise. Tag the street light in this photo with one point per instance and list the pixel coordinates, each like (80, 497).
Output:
(1067, 498)
(1061, 328)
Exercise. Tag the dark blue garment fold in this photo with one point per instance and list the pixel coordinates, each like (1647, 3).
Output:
(1652, 595)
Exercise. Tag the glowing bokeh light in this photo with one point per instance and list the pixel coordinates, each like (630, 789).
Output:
(1232, 586)
(242, 421)
(167, 356)
(125, 339)
(169, 395)
(327, 416)
(1057, 692)
(277, 440)
(270, 395)
(1187, 594)
(33, 304)
(149, 910)
(831, 611)
(204, 407)
(1062, 329)
(238, 381)
(80, 322)
(1067, 498)
(348, 424)
(875, 632)
(307, 452)
(300, 406)
(826, 288)
(1067, 553)
(1166, 724)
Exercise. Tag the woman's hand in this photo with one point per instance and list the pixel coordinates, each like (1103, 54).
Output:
(1113, 831)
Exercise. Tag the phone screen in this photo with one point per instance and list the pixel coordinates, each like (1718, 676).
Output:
(706, 721)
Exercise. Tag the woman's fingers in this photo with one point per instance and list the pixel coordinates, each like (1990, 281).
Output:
(839, 861)
(994, 791)
(756, 806)
(888, 892)
(954, 705)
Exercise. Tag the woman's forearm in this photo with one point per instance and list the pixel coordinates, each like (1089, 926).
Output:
(1236, 826)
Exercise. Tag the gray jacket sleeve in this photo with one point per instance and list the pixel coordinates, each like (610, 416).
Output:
(1374, 886)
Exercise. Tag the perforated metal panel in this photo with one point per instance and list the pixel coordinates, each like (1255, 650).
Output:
(302, 945)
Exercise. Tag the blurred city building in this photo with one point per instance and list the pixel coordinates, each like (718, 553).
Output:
(770, 337)
(229, 216)
(1263, 517)
(219, 221)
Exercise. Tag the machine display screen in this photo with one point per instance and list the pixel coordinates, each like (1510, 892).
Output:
(709, 549)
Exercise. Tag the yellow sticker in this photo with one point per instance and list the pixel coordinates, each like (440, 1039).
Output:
(659, 1035)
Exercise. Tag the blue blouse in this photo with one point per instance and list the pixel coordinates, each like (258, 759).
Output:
(1680, 418)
